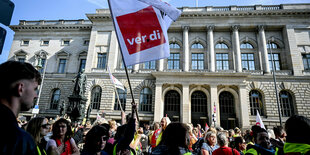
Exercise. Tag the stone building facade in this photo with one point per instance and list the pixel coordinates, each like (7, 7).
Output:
(220, 61)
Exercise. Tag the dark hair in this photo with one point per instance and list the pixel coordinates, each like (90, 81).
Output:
(175, 135)
(56, 130)
(257, 129)
(297, 129)
(94, 136)
(12, 71)
(237, 141)
(278, 131)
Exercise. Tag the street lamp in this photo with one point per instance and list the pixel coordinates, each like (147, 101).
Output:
(39, 65)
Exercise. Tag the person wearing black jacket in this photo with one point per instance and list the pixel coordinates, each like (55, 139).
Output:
(19, 82)
(125, 134)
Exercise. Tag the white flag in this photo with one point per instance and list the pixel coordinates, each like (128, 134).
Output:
(259, 121)
(141, 30)
(115, 81)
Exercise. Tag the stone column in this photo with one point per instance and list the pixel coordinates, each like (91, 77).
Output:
(135, 68)
(211, 49)
(214, 99)
(91, 56)
(161, 65)
(244, 107)
(185, 48)
(263, 48)
(185, 107)
(159, 104)
(236, 48)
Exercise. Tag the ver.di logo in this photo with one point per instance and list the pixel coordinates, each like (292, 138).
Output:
(141, 30)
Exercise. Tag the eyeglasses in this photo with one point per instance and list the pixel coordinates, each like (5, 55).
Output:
(45, 126)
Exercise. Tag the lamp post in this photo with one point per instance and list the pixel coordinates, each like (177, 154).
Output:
(39, 66)
(275, 83)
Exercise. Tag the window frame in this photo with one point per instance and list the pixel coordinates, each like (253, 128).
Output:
(146, 96)
(54, 105)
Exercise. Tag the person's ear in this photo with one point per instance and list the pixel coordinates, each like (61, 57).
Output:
(17, 90)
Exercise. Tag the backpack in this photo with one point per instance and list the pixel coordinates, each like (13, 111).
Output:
(197, 146)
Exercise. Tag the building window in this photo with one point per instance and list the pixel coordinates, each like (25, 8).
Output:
(276, 61)
(45, 42)
(146, 100)
(286, 102)
(222, 61)
(66, 42)
(82, 65)
(197, 46)
(306, 61)
(197, 61)
(256, 103)
(43, 61)
(150, 65)
(25, 42)
(21, 59)
(174, 61)
(221, 46)
(174, 46)
(102, 58)
(246, 46)
(272, 46)
(96, 97)
(62, 65)
(86, 42)
(199, 102)
(122, 98)
(172, 105)
(247, 61)
(122, 66)
(55, 99)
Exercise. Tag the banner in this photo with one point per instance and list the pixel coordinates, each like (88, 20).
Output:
(259, 121)
(115, 81)
(141, 30)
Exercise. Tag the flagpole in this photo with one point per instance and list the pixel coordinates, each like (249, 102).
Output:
(119, 103)
(133, 99)
(275, 83)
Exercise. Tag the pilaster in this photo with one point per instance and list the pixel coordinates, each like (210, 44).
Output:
(263, 47)
(214, 100)
(244, 108)
(185, 48)
(185, 107)
(211, 48)
(159, 104)
(236, 47)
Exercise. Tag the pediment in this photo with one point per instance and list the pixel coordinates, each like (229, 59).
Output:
(21, 53)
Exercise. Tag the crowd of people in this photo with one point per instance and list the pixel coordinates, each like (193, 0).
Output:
(59, 137)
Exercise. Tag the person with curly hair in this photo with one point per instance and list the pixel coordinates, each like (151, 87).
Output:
(61, 142)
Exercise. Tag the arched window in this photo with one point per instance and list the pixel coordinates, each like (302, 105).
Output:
(122, 98)
(172, 105)
(174, 46)
(96, 97)
(272, 45)
(227, 110)
(199, 102)
(221, 46)
(55, 99)
(146, 99)
(199, 108)
(197, 46)
(246, 46)
(286, 101)
(256, 103)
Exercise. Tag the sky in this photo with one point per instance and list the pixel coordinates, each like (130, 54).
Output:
(76, 9)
